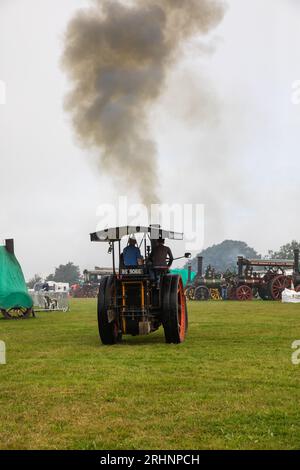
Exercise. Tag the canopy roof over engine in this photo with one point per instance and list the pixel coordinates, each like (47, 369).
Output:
(117, 233)
(284, 263)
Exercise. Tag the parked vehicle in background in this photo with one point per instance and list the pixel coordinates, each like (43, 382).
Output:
(206, 285)
(51, 286)
(91, 282)
(255, 278)
(266, 277)
(50, 296)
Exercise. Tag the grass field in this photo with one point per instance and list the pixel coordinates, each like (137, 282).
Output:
(231, 385)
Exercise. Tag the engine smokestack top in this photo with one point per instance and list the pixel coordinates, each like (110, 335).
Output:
(9, 245)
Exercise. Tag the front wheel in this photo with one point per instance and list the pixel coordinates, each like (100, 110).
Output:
(202, 293)
(174, 317)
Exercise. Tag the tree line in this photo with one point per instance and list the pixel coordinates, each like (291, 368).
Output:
(63, 273)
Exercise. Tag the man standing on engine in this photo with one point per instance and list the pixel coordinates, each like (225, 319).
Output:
(161, 255)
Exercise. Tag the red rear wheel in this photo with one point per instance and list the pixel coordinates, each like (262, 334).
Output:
(182, 313)
(244, 293)
(277, 286)
(174, 315)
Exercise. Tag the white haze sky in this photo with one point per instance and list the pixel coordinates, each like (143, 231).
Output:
(227, 133)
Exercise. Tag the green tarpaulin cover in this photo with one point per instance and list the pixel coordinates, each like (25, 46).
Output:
(184, 274)
(13, 289)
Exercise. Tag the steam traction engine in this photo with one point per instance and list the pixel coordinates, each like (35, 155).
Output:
(91, 282)
(137, 300)
(267, 278)
(204, 287)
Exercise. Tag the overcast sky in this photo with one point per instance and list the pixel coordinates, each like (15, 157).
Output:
(226, 128)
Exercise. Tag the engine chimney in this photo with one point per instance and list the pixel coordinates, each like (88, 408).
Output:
(240, 264)
(200, 266)
(296, 261)
(9, 245)
(189, 273)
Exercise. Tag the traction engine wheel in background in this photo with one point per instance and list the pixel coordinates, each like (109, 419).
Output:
(202, 293)
(174, 314)
(108, 331)
(190, 293)
(215, 294)
(277, 286)
(255, 293)
(244, 293)
(16, 313)
(263, 293)
(231, 294)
